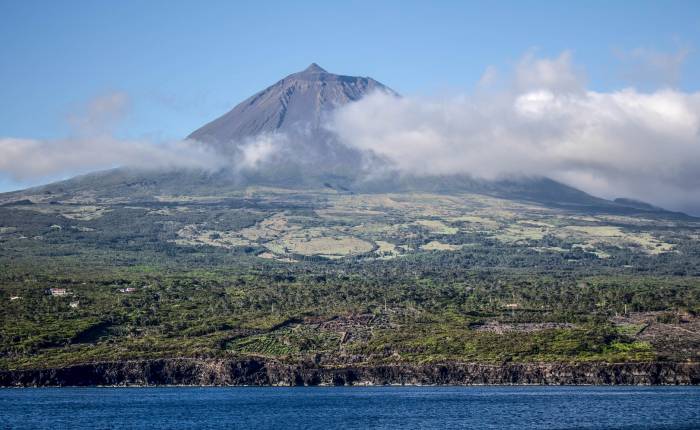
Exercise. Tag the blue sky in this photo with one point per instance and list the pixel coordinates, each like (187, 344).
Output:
(183, 63)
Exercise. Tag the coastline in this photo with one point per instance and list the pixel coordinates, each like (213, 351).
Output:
(261, 372)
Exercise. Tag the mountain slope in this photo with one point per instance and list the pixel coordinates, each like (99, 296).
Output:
(303, 155)
(297, 102)
(311, 260)
(296, 106)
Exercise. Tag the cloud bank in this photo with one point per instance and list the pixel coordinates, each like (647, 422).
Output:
(541, 120)
(92, 146)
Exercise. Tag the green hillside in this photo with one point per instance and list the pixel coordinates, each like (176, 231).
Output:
(337, 276)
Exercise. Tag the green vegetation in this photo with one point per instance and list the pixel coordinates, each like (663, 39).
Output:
(296, 314)
(341, 278)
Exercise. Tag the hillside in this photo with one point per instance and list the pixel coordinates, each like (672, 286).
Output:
(324, 268)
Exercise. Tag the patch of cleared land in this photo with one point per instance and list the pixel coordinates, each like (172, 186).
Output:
(74, 212)
(188, 199)
(340, 225)
(439, 246)
(269, 228)
(615, 236)
(314, 243)
(386, 250)
(517, 233)
(194, 235)
(437, 227)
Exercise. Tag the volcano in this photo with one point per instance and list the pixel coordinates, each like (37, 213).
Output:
(287, 120)
(297, 103)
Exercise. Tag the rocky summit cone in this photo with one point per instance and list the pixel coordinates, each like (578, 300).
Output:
(297, 102)
(314, 68)
(277, 138)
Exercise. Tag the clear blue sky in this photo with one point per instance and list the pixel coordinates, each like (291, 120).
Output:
(183, 63)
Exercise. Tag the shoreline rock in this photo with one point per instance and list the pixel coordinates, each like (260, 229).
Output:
(261, 372)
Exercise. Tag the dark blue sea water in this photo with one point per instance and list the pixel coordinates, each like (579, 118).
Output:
(347, 408)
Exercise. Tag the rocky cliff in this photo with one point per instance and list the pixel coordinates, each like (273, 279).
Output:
(261, 372)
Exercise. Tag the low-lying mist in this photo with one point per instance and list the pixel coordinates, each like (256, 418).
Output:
(92, 145)
(541, 120)
(538, 119)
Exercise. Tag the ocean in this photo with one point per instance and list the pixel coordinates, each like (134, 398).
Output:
(352, 408)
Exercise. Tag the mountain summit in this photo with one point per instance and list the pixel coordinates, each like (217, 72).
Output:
(277, 138)
(314, 68)
(298, 102)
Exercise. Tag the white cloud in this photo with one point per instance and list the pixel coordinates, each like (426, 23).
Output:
(556, 74)
(92, 146)
(101, 114)
(537, 119)
(254, 152)
(649, 67)
(612, 144)
(27, 159)
(489, 78)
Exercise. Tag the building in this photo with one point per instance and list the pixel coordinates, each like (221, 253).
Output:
(58, 292)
